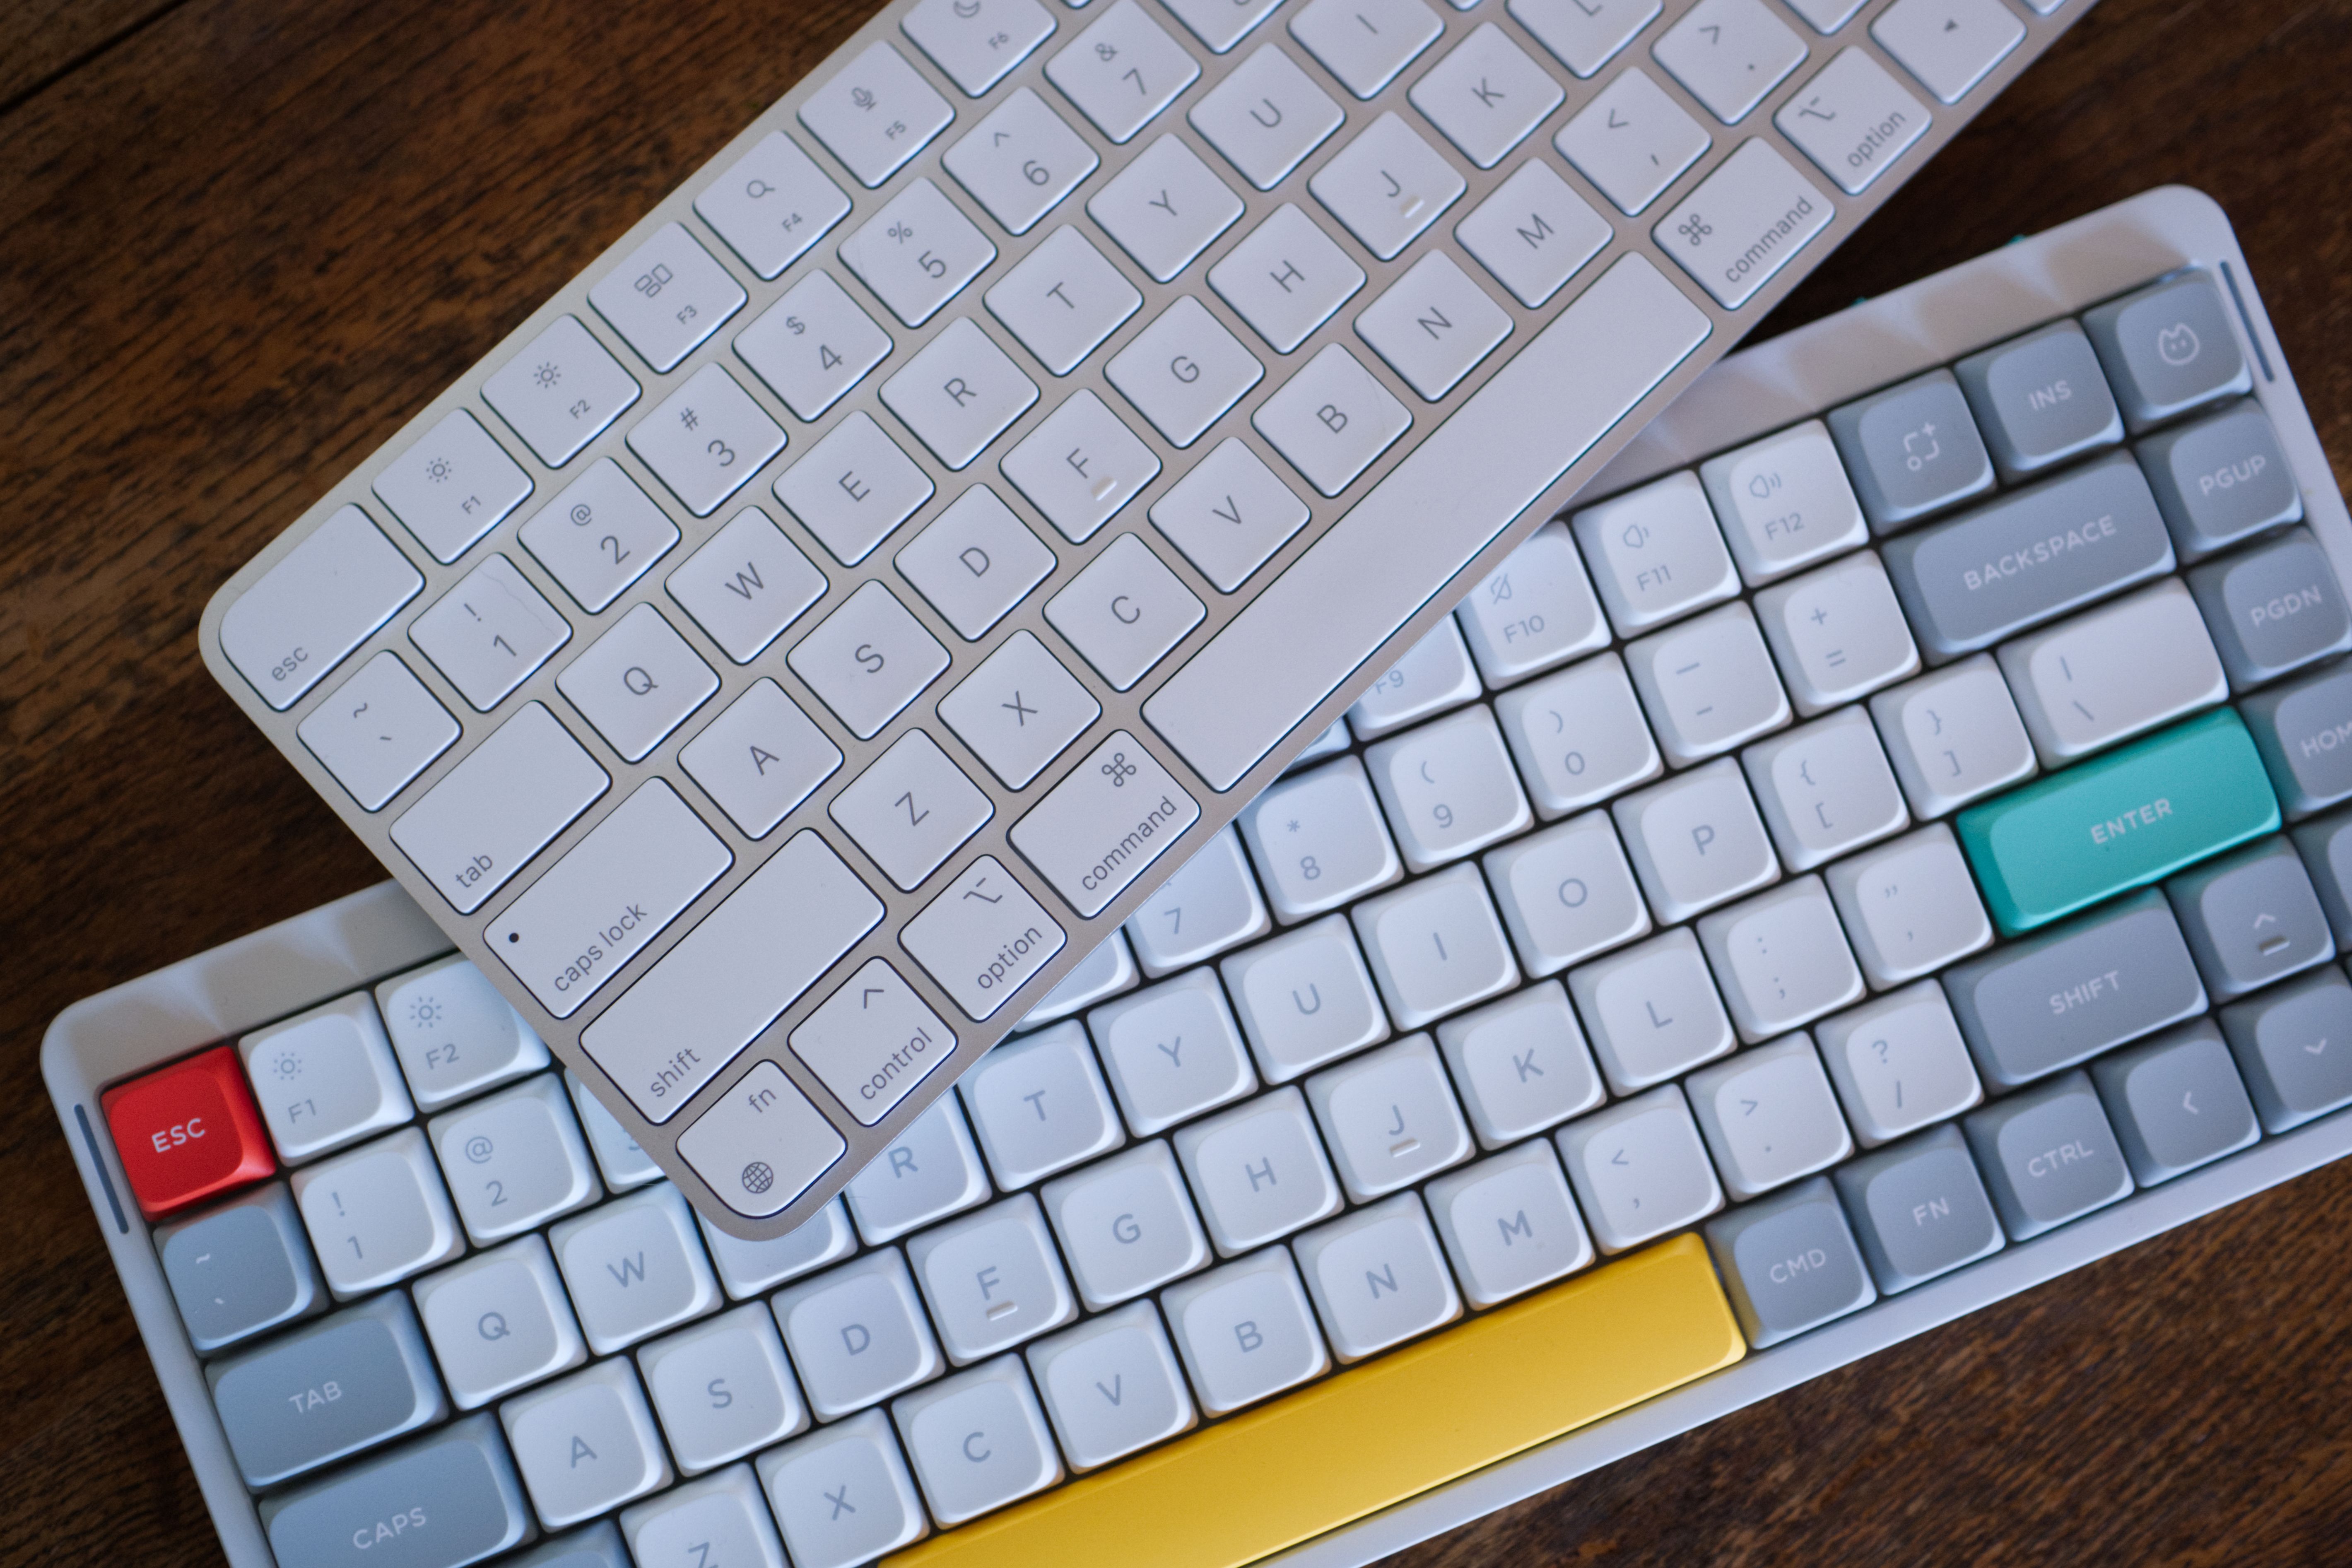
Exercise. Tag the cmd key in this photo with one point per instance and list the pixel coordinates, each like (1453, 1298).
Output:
(187, 1132)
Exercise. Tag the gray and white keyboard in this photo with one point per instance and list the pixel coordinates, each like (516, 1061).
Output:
(1887, 845)
(824, 622)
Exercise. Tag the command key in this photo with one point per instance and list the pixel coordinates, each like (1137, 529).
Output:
(1096, 830)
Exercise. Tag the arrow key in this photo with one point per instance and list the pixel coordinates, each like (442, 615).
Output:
(871, 1041)
(2177, 1103)
(2251, 917)
(2294, 1044)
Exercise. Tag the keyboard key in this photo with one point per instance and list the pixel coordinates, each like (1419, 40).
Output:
(486, 636)
(1912, 450)
(975, 561)
(772, 204)
(1920, 1209)
(1837, 633)
(457, 1484)
(453, 486)
(1105, 971)
(723, 1389)
(1953, 735)
(1632, 141)
(514, 1161)
(622, 1160)
(1125, 1225)
(1435, 946)
(1387, 185)
(932, 1171)
(1768, 1117)
(841, 1495)
(498, 807)
(561, 393)
(634, 1267)
(1449, 788)
(325, 1078)
(2177, 1103)
(377, 1214)
(1948, 44)
(761, 1143)
(666, 297)
(586, 1445)
(2300, 729)
(1040, 1106)
(1434, 326)
(1899, 1063)
(958, 393)
(721, 1513)
(1652, 1011)
(982, 937)
(1910, 907)
(918, 252)
(1124, 611)
(857, 1334)
(2289, 1045)
(1534, 610)
(1111, 1385)
(2220, 479)
(598, 535)
(1729, 53)
(1584, 34)
(1207, 905)
(1789, 1263)
(911, 809)
(977, 44)
(1318, 841)
(1245, 1330)
(992, 1411)
(746, 585)
(1707, 685)
(1639, 1170)
(2040, 399)
(1376, 1278)
(1259, 1172)
(706, 439)
(1781, 959)
(2273, 609)
(1744, 221)
(2048, 1155)
(1264, 117)
(1221, 24)
(1507, 1223)
(1567, 893)
(1486, 95)
(750, 1267)
(1365, 43)
(876, 114)
(1578, 736)
(2078, 690)
(1331, 419)
(1784, 502)
(992, 1279)
(380, 730)
(1304, 999)
(2168, 349)
(1285, 277)
(868, 660)
(1171, 1051)
(1435, 674)
(239, 1268)
(1389, 1119)
(760, 758)
(1824, 789)
(1090, 835)
(637, 682)
(1856, 88)
(498, 1321)
(2251, 917)
(2327, 850)
(1061, 299)
(315, 604)
(1695, 840)
(1122, 70)
(812, 345)
(1655, 554)
(1079, 466)
(1533, 233)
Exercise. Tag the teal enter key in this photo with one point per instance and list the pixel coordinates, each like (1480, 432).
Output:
(2139, 813)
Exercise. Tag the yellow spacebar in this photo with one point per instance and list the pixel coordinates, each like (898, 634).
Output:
(1358, 1442)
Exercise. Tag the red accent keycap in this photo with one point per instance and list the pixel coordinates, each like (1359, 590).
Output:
(187, 1132)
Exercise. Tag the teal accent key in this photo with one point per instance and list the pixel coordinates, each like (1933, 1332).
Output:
(2125, 820)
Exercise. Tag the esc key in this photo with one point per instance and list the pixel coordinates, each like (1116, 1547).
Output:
(187, 1132)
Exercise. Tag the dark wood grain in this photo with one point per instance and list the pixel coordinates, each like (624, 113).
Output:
(242, 240)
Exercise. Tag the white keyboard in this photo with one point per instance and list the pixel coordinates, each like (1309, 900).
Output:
(825, 621)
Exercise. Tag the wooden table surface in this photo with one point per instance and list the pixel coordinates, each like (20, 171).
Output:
(241, 241)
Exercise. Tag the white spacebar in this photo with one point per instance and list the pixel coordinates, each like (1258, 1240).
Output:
(1420, 526)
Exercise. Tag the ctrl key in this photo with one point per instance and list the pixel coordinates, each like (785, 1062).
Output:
(187, 1132)
(440, 1502)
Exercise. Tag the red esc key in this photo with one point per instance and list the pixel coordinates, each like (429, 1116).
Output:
(187, 1132)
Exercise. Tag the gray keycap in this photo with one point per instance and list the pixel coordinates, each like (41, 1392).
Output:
(597, 1546)
(2041, 399)
(2220, 478)
(240, 1269)
(1791, 1262)
(342, 1385)
(1919, 1209)
(440, 1502)
(2177, 1103)
(2303, 729)
(2327, 850)
(2028, 556)
(2048, 1155)
(2273, 609)
(2293, 1047)
(2056, 1000)
(1911, 450)
(2167, 349)
(2250, 917)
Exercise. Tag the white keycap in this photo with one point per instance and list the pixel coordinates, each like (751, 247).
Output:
(690, 1525)
(868, 660)
(1853, 90)
(983, 937)
(1124, 611)
(1740, 225)
(515, 1160)
(624, 1165)
(666, 297)
(1303, 998)
(320, 600)
(1259, 1172)
(1910, 907)
(1265, 117)
(975, 561)
(1948, 44)
(1105, 971)
(1435, 946)
(1079, 466)
(1695, 841)
(841, 1495)
(1899, 1063)
(1319, 841)
(1534, 610)
(1229, 513)
(1632, 141)
(381, 728)
(1435, 674)
(498, 807)
(856, 1333)
(992, 1278)
(911, 809)
(498, 1321)
(1221, 24)
(2114, 672)
(977, 43)
(876, 113)
(1768, 1117)
(1387, 185)
(1171, 1051)
(853, 487)
(1331, 419)
(1781, 958)
(1655, 553)
(1825, 16)
(452, 1032)
(723, 1389)
(634, 1267)
(1707, 684)
(761, 1143)
(325, 1078)
(1448, 788)
(1165, 208)
(1039, 1105)
(1638, 1169)
(1365, 43)
(772, 204)
(958, 393)
(1784, 502)
(746, 585)
(1652, 1011)
(1111, 1385)
(1953, 735)
(1209, 905)
(1388, 1118)
(1434, 325)
(1125, 1225)
(558, 393)
(1285, 277)
(1729, 53)
(638, 683)
(760, 758)
(812, 345)
(1522, 1064)
(586, 1445)
(1533, 233)
(1825, 788)
(1579, 735)
(598, 535)
(978, 1441)
(749, 1267)
(453, 486)
(1509, 1224)
(377, 1214)
(1017, 711)
(1567, 893)
(1183, 370)
(1837, 633)
(1376, 1278)
(932, 1172)
(1122, 70)
(1061, 299)
(1584, 34)
(1245, 1330)
(1486, 95)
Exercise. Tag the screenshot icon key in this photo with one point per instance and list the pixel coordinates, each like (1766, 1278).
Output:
(187, 1132)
